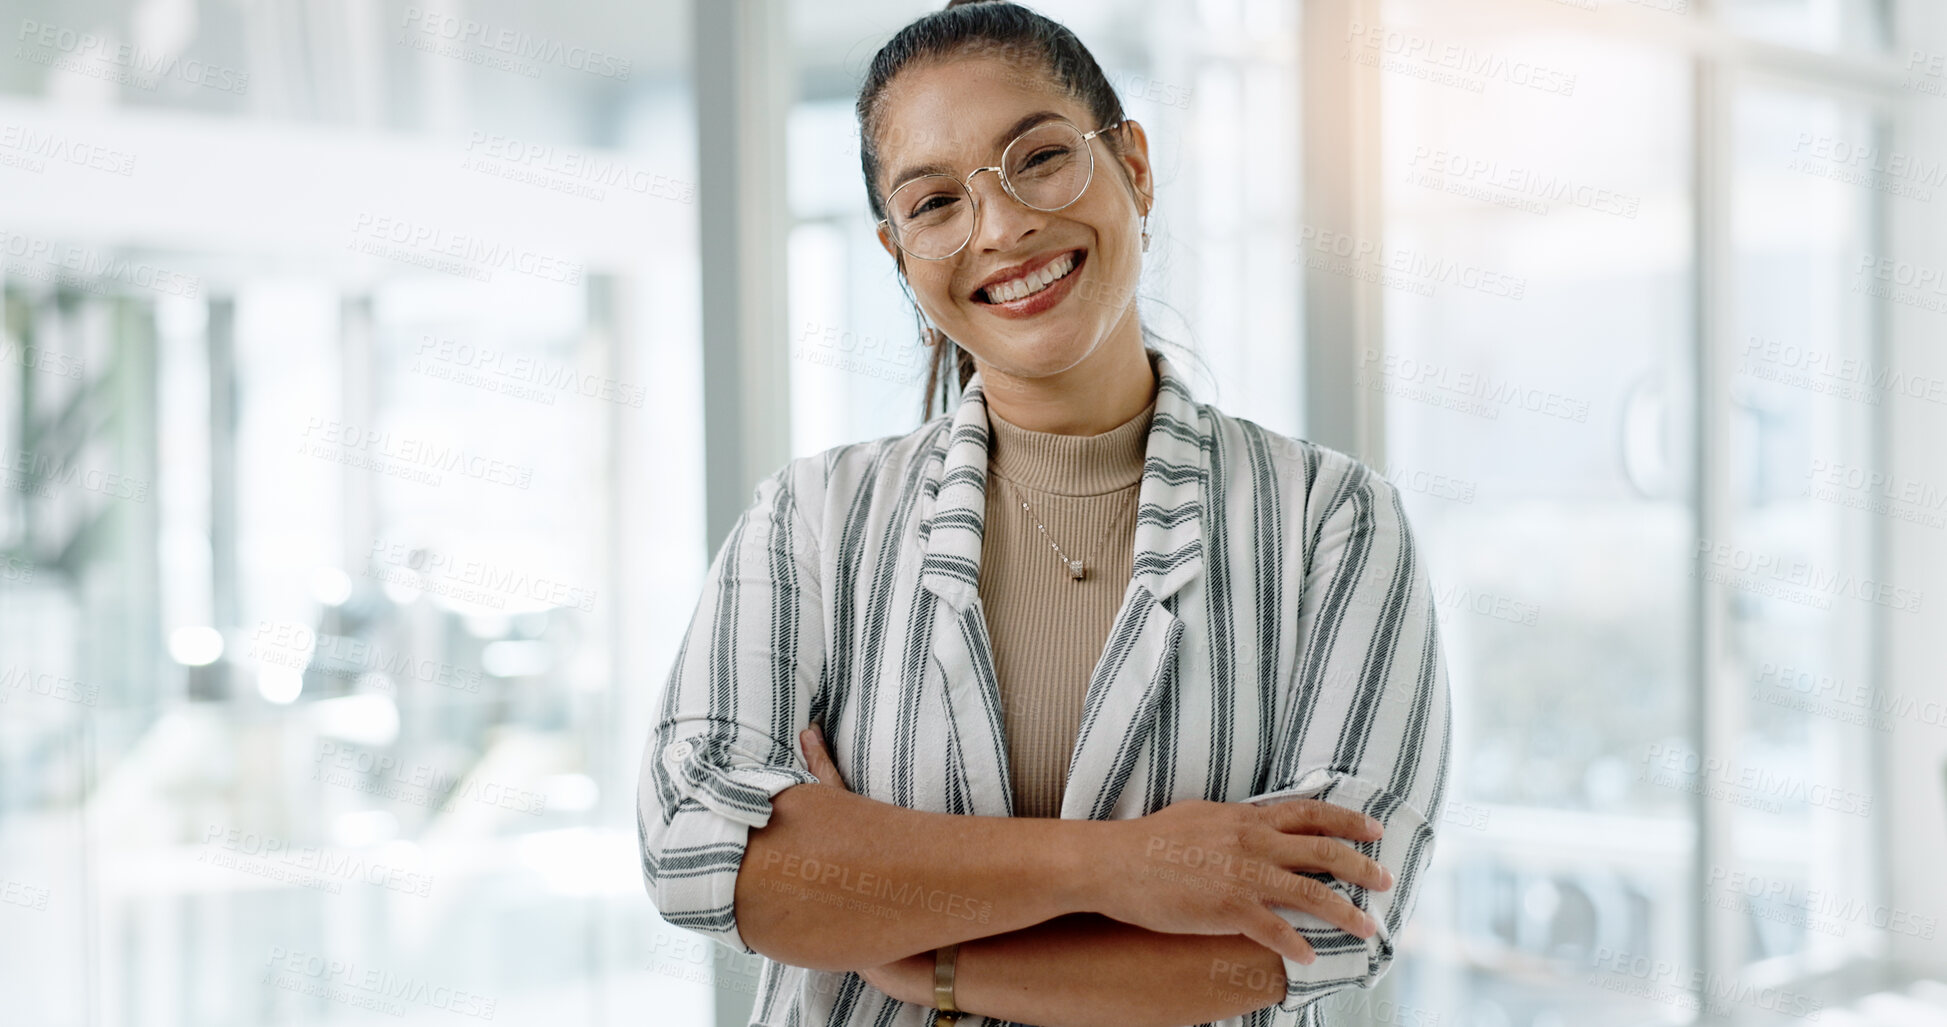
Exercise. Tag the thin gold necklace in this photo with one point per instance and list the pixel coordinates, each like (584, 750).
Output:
(1077, 569)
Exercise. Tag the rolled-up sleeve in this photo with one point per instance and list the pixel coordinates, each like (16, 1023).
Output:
(1368, 728)
(725, 740)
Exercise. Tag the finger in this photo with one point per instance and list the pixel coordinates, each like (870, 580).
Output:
(1312, 816)
(818, 760)
(814, 755)
(1340, 859)
(1314, 896)
(1276, 933)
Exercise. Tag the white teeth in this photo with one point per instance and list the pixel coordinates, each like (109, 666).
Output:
(1019, 288)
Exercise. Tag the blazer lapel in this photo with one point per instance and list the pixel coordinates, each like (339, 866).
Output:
(1139, 661)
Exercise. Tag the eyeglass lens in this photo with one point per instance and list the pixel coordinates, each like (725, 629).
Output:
(1046, 167)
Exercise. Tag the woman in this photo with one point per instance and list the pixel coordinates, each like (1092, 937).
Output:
(1084, 704)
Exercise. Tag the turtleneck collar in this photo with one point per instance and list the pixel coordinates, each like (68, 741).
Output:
(1070, 465)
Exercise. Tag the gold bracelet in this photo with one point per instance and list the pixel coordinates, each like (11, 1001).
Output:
(944, 960)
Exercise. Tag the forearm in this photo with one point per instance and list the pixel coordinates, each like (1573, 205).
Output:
(1085, 970)
(837, 881)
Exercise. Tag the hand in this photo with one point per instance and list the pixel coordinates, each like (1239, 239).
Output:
(1201, 867)
(811, 741)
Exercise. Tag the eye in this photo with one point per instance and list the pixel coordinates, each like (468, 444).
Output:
(1043, 160)
(932, 204)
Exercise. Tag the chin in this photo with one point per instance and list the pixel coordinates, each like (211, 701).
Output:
(1046, 350)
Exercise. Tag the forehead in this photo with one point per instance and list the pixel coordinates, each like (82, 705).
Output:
(953, 111)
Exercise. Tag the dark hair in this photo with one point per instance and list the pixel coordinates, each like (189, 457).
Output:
(987, 28)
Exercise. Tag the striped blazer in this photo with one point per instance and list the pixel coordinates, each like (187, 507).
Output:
(1277, 640)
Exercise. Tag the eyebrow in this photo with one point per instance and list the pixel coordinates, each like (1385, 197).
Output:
(1006, 136)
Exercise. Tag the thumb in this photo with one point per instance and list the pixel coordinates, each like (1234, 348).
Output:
(817, 759)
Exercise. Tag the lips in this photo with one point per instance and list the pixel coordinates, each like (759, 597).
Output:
(1012, 285)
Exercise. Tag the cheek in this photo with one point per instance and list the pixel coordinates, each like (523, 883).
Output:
(933, 289)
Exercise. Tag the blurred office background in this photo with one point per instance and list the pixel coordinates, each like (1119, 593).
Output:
(378, 378)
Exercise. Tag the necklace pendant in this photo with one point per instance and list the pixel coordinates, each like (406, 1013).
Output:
(1076, 569)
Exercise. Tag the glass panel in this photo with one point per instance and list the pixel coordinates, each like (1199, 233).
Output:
(1814, 24)
(1805, 503)
(1536, 271)
(326, 648)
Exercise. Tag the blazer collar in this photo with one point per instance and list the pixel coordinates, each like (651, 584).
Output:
(1169, 519)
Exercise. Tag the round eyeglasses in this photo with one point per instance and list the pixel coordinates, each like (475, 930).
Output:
(1045, 168)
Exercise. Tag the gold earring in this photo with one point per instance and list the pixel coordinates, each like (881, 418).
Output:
(1145, 233)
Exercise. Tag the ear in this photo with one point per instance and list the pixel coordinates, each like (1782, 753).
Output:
(885, 240)
(1135, 161)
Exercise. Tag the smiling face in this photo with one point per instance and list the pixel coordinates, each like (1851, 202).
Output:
(1033, 293)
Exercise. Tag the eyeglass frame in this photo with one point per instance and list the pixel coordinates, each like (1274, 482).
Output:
(966, 184)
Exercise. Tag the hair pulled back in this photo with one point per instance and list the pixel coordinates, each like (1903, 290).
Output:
(986, 28)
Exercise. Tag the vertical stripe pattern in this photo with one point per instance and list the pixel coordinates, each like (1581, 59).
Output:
(1276, 640)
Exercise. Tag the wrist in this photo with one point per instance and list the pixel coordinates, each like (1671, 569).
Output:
(1074, 865)
(945, 994)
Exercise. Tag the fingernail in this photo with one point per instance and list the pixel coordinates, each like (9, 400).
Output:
(1373, 825)
(1389, 877)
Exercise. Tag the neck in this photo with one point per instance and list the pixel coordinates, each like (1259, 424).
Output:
(1114, 384)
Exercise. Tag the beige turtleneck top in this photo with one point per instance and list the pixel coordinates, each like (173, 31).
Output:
(1048, 629)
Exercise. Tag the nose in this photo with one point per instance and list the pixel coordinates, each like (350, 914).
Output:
(1001, 220)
